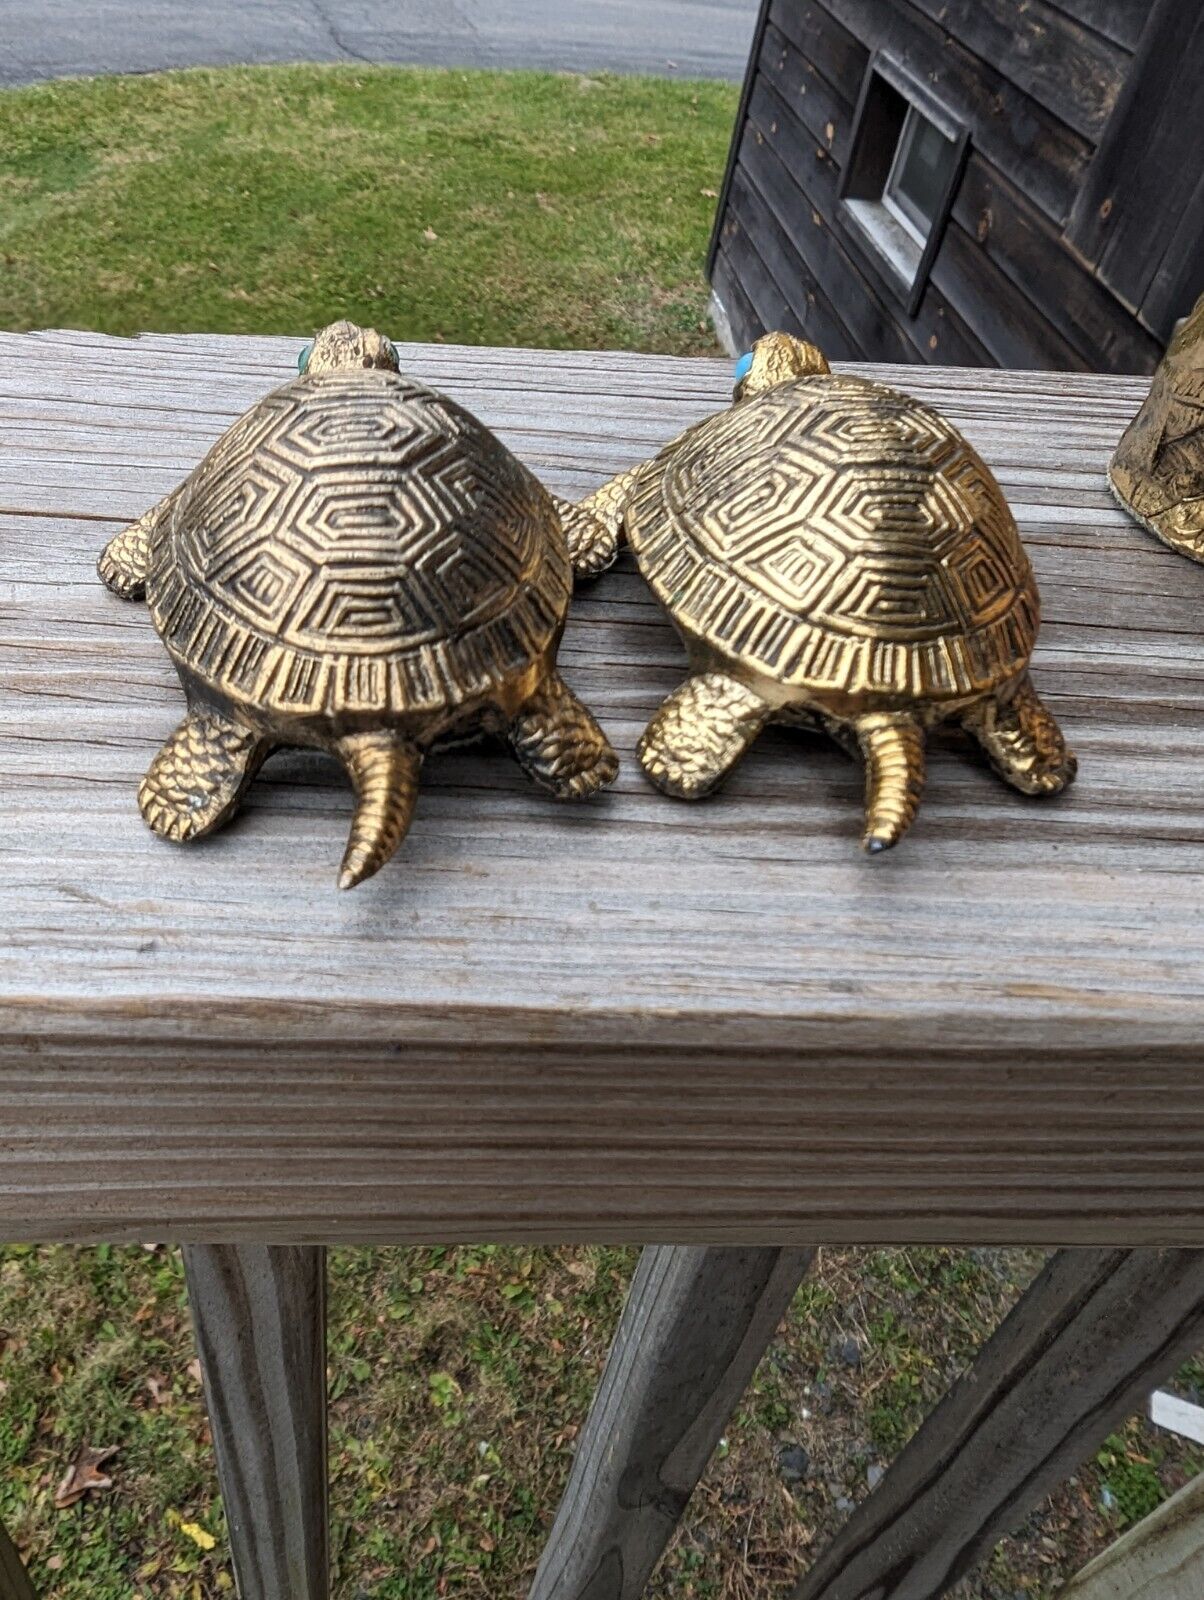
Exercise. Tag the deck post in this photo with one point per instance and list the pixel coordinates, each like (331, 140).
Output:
(1079, 1353)
(696, 1323)
(14, 1580)
(260, 1317)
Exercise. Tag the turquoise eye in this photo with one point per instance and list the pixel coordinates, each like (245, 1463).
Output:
(744, 366)
(303, 358)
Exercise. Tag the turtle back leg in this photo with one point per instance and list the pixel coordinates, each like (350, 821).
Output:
(1023, 742)
(125, 561)
(700, 733)
(383, 769)
(196, 781)
(559, 745)
(594, 526)
(892, 746)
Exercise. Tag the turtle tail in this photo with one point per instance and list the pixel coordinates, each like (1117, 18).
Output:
(893, 748)
(384, 771)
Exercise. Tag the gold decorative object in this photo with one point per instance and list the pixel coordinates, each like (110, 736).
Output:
(359, 565)
(835, 556)
(1157, 473)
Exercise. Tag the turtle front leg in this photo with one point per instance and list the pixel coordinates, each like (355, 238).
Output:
(196, 781)
(559, 745)
(593, 545)
(594, 526)
(125, 561)
(700, 733)
(1023, 742)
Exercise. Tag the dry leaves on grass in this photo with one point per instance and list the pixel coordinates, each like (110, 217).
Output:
(84, 1475)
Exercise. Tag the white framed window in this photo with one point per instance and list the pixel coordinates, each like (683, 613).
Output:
(919, 174)
(899, 180)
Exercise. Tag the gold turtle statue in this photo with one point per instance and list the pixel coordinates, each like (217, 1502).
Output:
(359, 565)
(835, 556)
(1157, 472)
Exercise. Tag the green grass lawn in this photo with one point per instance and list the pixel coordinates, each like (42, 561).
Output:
(487, 208)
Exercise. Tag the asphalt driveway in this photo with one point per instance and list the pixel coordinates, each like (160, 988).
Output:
(681, 38)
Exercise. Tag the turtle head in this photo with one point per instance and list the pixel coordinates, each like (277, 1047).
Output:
(776, 358)
(344, 347)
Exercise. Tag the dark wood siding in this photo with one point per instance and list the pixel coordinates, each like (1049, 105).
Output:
(1022, 276)
(1138, 220)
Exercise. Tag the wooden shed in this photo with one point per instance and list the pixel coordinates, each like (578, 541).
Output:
(1015, 183)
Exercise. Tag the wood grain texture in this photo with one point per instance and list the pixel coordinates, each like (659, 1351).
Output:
(1035, 148)
(14, 1580)
(1095, 1332)
(1069, 69)
(1147, 169)
(1162, 1558)
(1036, 87)
(694, 1328)
(1027, 250)
(634, 1020)
(260, 1320)
(1118, 20)
(798, 178)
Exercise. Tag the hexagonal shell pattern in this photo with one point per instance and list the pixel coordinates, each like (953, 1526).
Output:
(836, 536)
(358, 543)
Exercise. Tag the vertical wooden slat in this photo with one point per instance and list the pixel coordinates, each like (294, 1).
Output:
(1079, 1353)
(1162, 1558)
(696, 1323)
(14, 1580)
(260, 1319)
(1142, 177)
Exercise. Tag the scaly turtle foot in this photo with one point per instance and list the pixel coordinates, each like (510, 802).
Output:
(1023, 742)
(700, 733)
(559, 745)
(198, 778)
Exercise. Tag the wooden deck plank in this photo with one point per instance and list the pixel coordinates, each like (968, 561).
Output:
(636, 1019)
(694, 1329)
(1161, 1558)
(260, 1321)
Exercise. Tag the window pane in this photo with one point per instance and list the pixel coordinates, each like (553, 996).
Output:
(923, 171)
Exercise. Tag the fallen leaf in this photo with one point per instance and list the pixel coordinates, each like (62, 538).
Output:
(55, 1564)
(83, 1475)
(159, 1392)
(199, 1536)
(430, 234)
(194, 1372)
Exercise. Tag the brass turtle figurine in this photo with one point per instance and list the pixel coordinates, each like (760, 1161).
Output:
(1157, 472)
(835, 556)
(358, 565)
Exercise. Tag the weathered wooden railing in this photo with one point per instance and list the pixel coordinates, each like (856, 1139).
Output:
(645, 1021)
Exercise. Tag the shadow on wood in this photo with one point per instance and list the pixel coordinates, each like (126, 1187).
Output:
(260, 1319)
(14, 1580)
(696, 1323)
(1078, 1354)
(1162, 1558)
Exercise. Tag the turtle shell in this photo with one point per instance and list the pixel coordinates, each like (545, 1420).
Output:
(357, 543)
(834, 535)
